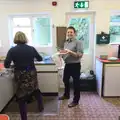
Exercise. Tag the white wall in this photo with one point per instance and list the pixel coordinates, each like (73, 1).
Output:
(31, 6)
(102, 8)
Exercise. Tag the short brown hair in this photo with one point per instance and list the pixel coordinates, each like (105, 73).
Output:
(20, 37)
(71, 27)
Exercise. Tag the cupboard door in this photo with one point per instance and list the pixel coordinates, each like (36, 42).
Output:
(48, 82)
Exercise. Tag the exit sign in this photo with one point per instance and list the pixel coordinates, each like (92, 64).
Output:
(81, 4)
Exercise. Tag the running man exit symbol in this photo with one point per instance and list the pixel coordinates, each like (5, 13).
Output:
(81, 4)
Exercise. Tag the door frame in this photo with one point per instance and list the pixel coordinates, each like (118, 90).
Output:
(94, 31)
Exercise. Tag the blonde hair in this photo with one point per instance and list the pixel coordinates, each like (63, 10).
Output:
(20, 37)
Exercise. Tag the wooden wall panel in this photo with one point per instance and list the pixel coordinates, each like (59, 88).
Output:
(61, 36)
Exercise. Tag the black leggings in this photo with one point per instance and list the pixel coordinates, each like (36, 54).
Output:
(23, 104)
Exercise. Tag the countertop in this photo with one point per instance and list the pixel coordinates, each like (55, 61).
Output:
(109, 61)
(45, 62)
(3, 71)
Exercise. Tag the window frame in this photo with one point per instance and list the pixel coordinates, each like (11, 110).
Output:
(114, 13)
(31, 16)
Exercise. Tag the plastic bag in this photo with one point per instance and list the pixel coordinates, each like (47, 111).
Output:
(83, 76)
(57, 58)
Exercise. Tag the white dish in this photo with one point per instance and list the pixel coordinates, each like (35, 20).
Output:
(112, 58)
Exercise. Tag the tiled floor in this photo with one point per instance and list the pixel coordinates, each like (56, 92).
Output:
(91, 107)
(50, 106)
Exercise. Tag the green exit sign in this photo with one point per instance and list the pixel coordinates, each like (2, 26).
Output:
(81, 4)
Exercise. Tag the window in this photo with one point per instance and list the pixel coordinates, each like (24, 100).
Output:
(37, 28)
(114, 29)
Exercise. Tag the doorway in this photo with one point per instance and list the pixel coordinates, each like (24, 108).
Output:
(84, 23)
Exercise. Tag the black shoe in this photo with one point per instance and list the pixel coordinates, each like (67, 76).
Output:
(63, 97)
(72, 104)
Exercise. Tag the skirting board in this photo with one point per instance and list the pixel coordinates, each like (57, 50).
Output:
(50, 94)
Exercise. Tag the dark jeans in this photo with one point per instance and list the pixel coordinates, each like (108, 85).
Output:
(74, 71)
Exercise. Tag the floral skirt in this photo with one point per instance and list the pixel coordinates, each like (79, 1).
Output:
(25, 83)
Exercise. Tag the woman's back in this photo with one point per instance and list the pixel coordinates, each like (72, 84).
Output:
(22, 56)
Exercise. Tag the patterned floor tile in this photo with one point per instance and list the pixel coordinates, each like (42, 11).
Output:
(91, 107)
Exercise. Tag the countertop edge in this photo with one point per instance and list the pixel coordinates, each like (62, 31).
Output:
(108, 61)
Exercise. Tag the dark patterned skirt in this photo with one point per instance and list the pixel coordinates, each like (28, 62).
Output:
(26, 84)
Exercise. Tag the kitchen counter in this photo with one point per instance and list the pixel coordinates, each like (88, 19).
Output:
(45, 62)
(108, 61)
(6, 89)
(47, 79)
(108, 77)
(47, 73)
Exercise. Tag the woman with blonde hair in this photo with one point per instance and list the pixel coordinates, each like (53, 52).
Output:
(25, 73)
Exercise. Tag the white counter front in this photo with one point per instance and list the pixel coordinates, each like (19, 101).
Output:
(47, 77)
(108, 78)
(6, 90)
